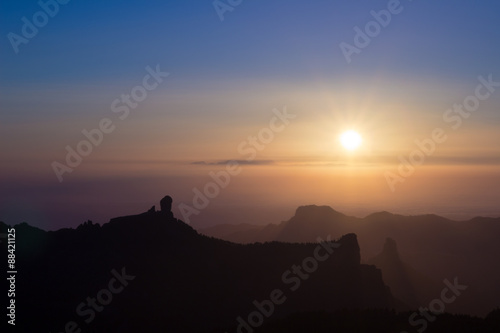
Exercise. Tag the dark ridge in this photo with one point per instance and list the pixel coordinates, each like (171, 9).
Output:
(182, 281)
(307, 211)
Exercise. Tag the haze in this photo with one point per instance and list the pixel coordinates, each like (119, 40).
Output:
(224, 81)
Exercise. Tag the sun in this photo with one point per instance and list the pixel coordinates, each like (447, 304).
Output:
(351, 140)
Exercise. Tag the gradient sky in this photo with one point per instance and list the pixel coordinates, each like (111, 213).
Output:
(226, 78)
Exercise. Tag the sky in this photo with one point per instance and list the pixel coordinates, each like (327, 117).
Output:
(170, 92)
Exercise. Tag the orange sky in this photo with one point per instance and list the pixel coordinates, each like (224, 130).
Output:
(157, 153)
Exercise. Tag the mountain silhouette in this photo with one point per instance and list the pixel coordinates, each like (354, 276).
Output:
(153, 272)
(433, 246)
(407, 285)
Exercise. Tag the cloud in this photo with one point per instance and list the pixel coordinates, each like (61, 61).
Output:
(240, 162)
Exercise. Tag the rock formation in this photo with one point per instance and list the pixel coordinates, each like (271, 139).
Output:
(166, 206)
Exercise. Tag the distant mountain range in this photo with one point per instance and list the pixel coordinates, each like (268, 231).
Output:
(153, 273)
(431, 249)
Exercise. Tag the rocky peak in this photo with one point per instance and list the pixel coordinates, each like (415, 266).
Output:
(390, 250)
(166, 206)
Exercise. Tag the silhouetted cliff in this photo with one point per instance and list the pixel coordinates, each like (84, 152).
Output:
(433, 246)
(152, 272)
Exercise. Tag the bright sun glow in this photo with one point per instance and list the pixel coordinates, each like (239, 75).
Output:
(350, 140)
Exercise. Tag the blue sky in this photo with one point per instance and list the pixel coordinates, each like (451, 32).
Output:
(93, 41)
(226, 77)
